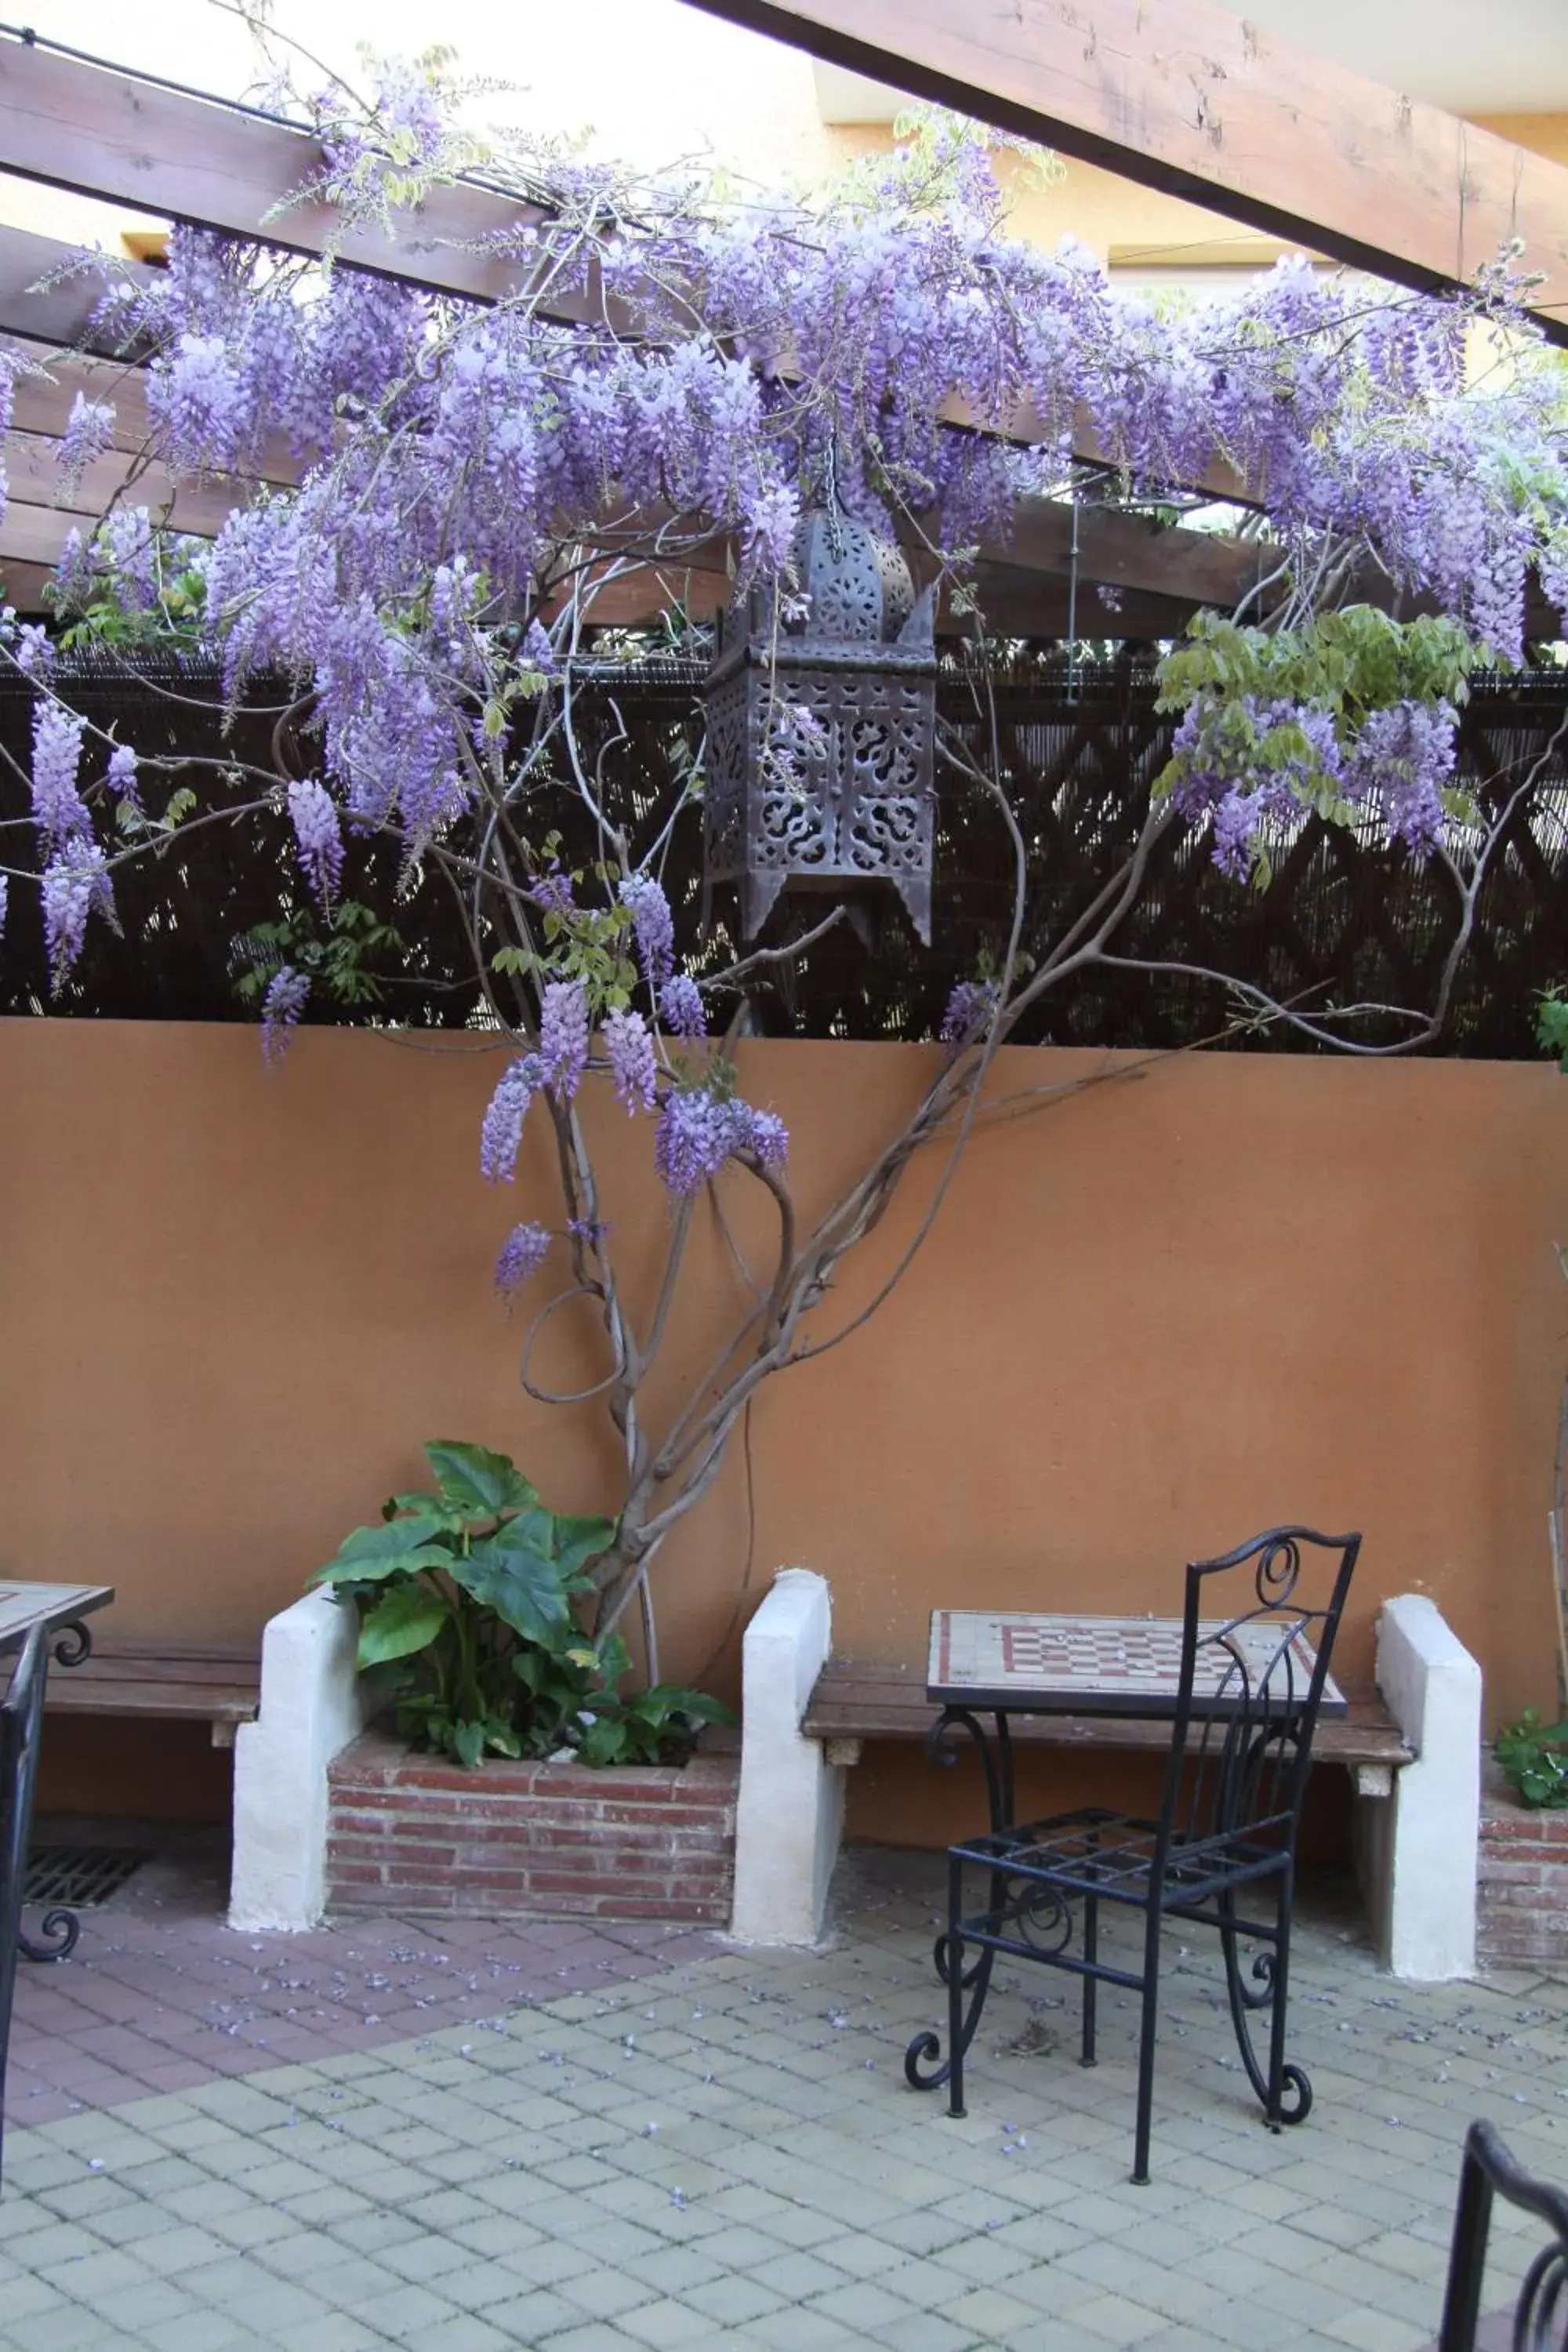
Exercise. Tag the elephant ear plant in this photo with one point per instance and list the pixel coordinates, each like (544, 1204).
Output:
(465, 1600)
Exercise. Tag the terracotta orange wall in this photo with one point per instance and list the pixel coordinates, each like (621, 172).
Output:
(1152, 1317)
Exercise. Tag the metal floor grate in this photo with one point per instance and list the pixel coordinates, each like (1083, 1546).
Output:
(79, 1875)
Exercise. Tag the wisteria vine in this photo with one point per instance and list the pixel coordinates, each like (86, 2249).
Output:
(437, 500)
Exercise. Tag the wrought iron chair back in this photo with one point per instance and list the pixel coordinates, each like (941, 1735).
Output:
(1253, 1670)
(21, 1725)
(1540, 2308)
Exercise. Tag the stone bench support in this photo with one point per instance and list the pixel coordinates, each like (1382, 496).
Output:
(790, 1816)
(311, 1708)
(1417, 1847)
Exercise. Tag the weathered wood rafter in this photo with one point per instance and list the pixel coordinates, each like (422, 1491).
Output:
(1188, 97)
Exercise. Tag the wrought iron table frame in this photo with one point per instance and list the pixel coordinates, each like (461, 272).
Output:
(962, 1709)
(59, 1612)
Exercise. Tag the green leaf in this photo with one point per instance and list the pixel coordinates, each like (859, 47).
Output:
(469, 1744)
(604, 1741)
(575, 1542)
(511, 1572)
(477, 1481)
(406, 1619)
(666, 1703)
(393, 1548)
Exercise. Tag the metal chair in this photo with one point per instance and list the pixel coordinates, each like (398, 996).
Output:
(1539, 2319)
(21, 1722)
(1247, 1697)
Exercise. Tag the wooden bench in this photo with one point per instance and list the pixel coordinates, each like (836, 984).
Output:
(161, 1682)
(853, 1703)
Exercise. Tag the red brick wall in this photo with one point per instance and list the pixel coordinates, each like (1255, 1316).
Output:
(1521, 1909)
(413, 1833)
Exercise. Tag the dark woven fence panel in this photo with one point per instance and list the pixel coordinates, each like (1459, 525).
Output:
(1077, 756)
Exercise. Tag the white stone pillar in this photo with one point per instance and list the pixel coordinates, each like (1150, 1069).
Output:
(1421, 1843)
(310, 1708)
(790, 1816)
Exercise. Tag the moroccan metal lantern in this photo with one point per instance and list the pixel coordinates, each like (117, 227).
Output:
(821, 732)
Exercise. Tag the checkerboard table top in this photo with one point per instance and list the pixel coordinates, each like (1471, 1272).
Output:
(1053, 1665)
(23, 1605)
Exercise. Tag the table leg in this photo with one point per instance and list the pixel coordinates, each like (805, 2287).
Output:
(58, 1930)
(924, 2065)
(997, 1763)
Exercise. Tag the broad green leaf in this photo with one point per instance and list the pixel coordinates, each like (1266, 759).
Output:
(477, 1481)
(575, 1542)
(406, 1619)
(511, 1573)
(604, 1742)
(469, 1744)
(393, 1548)
(695, 1705)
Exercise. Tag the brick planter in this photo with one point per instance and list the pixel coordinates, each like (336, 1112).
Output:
(411, 1833)
(1522, 1892)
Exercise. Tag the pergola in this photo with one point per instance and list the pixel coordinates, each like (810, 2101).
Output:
(1235, 130)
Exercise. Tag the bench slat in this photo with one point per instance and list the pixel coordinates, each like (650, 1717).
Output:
(211, 1686)
(855, 1700)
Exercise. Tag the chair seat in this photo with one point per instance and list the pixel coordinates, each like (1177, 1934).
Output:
(1095, 1852)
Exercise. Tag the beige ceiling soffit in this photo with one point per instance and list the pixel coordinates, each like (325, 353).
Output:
(1188, 99)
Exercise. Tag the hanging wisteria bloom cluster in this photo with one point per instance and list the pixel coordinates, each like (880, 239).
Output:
(438, 499)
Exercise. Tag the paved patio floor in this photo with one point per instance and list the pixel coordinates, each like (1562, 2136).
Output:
(476, 2136)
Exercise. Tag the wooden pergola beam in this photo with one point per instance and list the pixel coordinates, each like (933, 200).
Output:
(101, 133)
(1188, 97)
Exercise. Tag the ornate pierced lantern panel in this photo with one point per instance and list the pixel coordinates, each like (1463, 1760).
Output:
(820, 738)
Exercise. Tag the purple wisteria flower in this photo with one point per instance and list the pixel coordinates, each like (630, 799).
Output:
(1237, 820)
(125, 545)
(629, 1045)
(537, 652)
(89, 431)
(563, 1036)
(1406, 756)
(501, 1135)
(552, 892)
(196, 398)
(319, 836)
(699, 1131)
(59, 809)
(970, 1007)
(590, 1230)
(5, 901)
(680, 1006)
(33, 651)
(764, 1133)
(121, 775)
(287, 993)
(692, 1141)
(523, 1254)
(652, 926)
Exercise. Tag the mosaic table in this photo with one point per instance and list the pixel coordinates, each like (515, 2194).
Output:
(1027, 1663)
(58, 1608)
(61, 1611)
